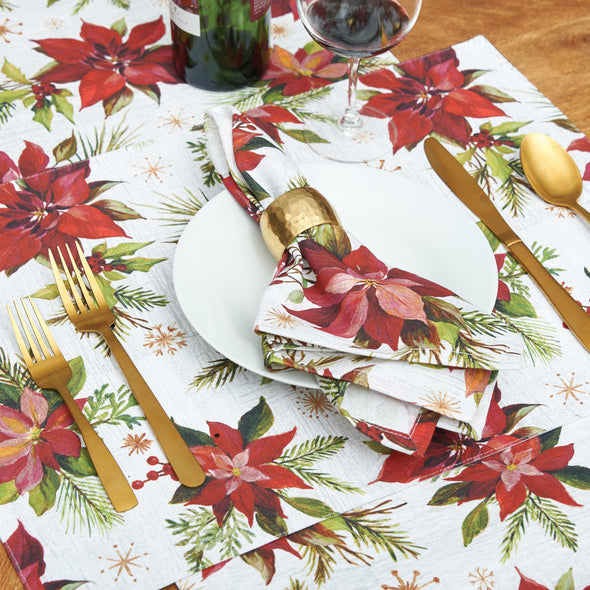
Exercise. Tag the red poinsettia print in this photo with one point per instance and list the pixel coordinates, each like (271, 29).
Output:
(517, 468)
(8, 169)
(30, 439)
(54, 206)
(446, 450)
(431, 96)
(566, 581)
(360, 296)
(301, 72)
(449, 449)
(281, 7)
(503, 289)
(582, 144)
(244, 131)
(27, 555)
(107, 66)
(269, 117)
(243, 476)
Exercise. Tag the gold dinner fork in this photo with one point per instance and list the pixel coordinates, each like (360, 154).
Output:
(50, 370)
(89, 312)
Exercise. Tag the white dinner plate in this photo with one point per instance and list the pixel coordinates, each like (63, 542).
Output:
(222, 266)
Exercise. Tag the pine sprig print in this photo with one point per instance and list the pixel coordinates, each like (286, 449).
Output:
(82, 4)
(249, 98)
(301, 458)
(199, 149)
(139, 298)
(6, 109)
(539, 338)
(83, 503)
(199, 532)
(516, 528)
(483, 323)
(368, 527)
(299, 104)
(333, 388)
(371, 527)
(311, 451)
(512, 273)
(321, 559)
(216, 374)
(513, 191)
(378, 62)
(553, 521)
(106, 407)
(177, 211)
(14, 374)
(103, 140)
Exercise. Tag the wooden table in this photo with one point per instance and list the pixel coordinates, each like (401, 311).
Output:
(548, 42)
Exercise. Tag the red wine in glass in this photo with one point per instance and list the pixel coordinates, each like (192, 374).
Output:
(355, 29)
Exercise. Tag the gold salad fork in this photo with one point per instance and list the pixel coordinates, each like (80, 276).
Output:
(49, 370)
(89, 312)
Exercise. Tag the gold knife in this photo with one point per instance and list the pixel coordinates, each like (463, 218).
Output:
(473, 197)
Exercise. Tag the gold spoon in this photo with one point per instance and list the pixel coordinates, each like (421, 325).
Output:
(552, 172)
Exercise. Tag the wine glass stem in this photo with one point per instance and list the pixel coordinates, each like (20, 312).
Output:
(351, 120)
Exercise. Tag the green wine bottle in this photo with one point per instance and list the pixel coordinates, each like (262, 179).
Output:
(220, 44)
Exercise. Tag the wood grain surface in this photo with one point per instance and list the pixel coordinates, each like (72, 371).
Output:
(548, 41)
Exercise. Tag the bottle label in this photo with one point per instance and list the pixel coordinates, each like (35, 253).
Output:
(185, 15)
(258, 9)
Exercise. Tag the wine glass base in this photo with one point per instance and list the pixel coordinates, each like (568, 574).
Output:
(368, 141)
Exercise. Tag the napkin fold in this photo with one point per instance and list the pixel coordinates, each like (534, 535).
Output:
(397, 353)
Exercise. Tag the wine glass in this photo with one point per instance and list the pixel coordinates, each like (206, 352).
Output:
(354, 29)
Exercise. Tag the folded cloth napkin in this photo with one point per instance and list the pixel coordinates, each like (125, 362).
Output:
(399, 354)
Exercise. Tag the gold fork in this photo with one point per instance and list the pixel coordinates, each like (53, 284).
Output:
(89, 312)
(50, 370)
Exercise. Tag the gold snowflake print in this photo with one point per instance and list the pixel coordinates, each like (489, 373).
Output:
(5, 30)
(482, 577)
(184, 585)
(178, 121)
(569, 389)
(364, 137)
(153, 169)
(124, 563)
(54, 23)
(441, 403)
(280, 318)
(314, 403)
(410, 584)
(280, 30)
(136, 443)
(560, 212)
(165, 341)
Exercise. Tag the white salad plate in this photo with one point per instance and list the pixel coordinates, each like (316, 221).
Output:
(222, 266)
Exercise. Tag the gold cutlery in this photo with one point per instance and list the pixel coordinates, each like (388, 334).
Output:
(89, 312)
(50, 370)
(473, 197)
(552, 172)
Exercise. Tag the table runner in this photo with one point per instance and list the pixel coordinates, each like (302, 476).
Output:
(135, 157)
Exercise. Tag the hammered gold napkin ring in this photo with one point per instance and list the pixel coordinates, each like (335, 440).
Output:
(292, 213)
